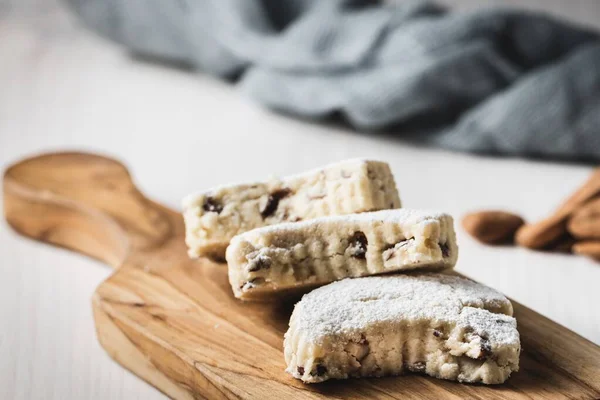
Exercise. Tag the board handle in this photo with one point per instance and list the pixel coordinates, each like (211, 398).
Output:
(84, 202)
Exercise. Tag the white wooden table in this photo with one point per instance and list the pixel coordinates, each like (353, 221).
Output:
(63, 88)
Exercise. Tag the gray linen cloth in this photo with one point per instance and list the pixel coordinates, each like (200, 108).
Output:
(492, 80)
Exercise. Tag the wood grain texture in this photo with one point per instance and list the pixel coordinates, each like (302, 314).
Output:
(174, 322)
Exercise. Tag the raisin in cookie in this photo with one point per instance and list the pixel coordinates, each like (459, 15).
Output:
(214, 217)
(440, 325)
(294, 257)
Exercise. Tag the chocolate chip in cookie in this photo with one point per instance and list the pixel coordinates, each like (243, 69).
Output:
(486, 349)
(260, 262)
(445, 249)
(273, 202)
(320, 370)
(212, 205)
(357, 244)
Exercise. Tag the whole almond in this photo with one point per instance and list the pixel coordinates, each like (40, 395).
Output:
(542, 234)
(588, 248)
(492, 227)
(585, 222)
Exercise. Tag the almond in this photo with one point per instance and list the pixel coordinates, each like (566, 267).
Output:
(542, 234)
(492, 227)
(585, 222)
(589, 249)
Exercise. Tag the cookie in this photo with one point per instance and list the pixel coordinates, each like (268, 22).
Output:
(214, 217)
(294, 257)
(440, 325)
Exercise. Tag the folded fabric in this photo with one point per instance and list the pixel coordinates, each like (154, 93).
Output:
(492, 80)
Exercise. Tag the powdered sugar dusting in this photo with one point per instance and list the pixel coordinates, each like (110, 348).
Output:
(352, 305)
(192, 199)
(401, 216)
(497, 328)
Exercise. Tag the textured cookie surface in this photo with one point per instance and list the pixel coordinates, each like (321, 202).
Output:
(440, 325)
(267, 262)
(214, 217)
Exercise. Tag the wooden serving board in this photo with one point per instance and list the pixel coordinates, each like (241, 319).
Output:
(174, 322)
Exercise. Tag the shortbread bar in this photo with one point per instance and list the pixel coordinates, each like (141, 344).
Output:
(214, 217)
(295, 257)
(440, 325)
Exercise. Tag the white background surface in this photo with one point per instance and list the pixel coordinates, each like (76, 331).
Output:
(63, 88)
